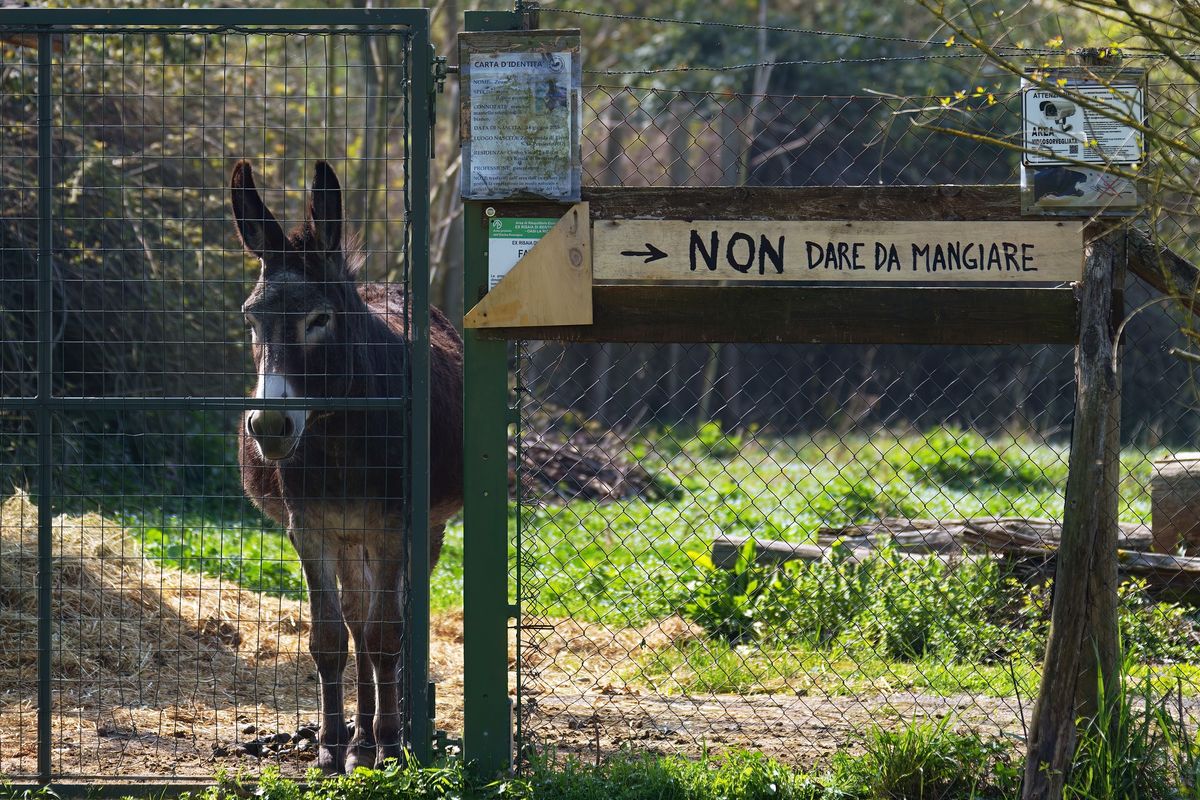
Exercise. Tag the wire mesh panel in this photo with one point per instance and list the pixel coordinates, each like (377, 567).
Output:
(18, 337)
(179, 618)
(18, 613)
(179, 624)
(884, 487)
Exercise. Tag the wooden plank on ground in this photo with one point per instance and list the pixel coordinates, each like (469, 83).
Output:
(1031, 546)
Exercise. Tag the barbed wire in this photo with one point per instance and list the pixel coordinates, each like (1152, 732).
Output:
(1004, 50)
(757, 64)
(782, 29)
(723, 94)
(807, 63)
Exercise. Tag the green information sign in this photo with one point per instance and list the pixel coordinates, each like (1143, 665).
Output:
(510, 238)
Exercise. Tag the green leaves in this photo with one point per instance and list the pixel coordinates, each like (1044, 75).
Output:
(259, 560)
(724, 602)
(963, 460)
(900, 607)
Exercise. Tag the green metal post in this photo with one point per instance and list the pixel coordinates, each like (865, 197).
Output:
(45, 390)
(487, 726)
(487, 713)
(421, 99)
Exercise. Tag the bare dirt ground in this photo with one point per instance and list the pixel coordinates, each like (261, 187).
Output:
(583, 698)
(162, 674)
(802, 731)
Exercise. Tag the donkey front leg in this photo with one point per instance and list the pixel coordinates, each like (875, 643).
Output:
(354, 576)
(384, 642)
(328, 642)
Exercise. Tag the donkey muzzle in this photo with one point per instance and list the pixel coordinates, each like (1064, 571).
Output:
(275, 432)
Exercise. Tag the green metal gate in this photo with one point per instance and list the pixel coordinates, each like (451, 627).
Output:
(123, 371)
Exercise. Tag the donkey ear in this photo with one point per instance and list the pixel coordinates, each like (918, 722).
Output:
(325, 208)
(256, 225)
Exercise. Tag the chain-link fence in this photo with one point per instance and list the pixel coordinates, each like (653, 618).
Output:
(153, 622)
(658, 137)
(901, 503)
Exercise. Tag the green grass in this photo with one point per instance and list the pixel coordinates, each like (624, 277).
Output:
(259, 557)
(629, 563)
(926, 763)
(621, 563)
(717, 666)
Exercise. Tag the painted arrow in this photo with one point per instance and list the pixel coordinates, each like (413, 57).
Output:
(651, 254)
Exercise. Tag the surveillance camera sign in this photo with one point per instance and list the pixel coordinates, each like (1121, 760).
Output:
(1090, 123)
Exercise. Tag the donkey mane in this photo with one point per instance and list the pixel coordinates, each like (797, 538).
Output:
(303, 239)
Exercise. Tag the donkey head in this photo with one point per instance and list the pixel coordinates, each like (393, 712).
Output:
(299, 308)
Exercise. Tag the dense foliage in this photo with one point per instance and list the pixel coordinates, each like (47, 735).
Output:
(910, 608)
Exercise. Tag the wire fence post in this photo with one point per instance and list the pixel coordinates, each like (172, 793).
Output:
(45, 392)
(420, 706)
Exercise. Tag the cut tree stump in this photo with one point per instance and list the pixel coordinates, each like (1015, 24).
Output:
(1175, 504)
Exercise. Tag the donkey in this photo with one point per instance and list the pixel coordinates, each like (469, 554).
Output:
(336, 479)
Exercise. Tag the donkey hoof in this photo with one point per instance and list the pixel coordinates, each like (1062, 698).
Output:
(360, 755)
(331, 759)
(386, 753)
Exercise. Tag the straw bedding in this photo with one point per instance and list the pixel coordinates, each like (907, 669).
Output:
(156, 672)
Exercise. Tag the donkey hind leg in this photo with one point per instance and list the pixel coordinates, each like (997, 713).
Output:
(384, 642)
(354, 576)
(328, 642)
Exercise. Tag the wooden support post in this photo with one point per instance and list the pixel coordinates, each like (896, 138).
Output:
(1103, 670)
(1082, 645)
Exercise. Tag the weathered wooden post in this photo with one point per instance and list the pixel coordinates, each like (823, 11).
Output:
(1081, 653)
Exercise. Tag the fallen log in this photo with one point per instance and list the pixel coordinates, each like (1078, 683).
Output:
(925, 535)
(1029, 547)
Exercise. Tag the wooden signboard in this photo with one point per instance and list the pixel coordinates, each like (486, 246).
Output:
(761, 252)
(643, 288)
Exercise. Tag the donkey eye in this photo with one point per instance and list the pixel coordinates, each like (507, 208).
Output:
(319, 321)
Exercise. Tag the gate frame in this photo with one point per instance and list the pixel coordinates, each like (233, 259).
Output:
(1086, 315)
(45, 24)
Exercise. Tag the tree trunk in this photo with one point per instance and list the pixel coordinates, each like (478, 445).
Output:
(363, 184)
(447, 289)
